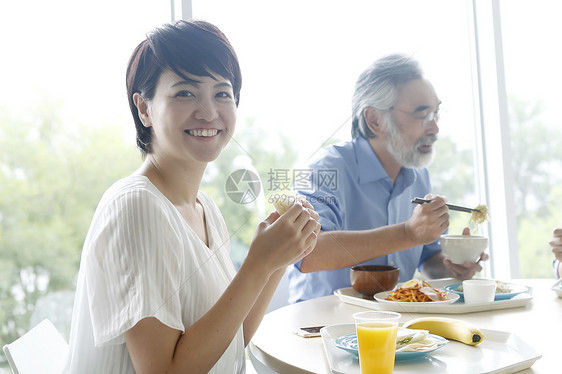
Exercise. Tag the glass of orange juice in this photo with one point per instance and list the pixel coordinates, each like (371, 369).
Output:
(376, 336)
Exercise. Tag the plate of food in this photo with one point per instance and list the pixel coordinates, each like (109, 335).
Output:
(417, 291)
(498, 352)
(410, 344)
(504, 291)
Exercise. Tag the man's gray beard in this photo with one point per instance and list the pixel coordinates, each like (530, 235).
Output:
(408, 157)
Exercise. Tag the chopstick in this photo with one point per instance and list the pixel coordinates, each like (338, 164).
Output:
(418, 200)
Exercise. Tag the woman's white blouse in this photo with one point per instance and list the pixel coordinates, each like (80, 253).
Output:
(140, 259)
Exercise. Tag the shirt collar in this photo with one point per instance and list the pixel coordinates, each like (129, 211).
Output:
(368, 165)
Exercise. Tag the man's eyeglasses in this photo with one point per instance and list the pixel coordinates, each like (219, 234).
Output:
(425, 118)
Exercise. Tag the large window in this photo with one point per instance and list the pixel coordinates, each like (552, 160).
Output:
(533, 81)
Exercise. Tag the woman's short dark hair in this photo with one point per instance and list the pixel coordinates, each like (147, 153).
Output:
(194, 47)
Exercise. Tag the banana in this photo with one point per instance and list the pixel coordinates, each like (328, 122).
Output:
(448, 328)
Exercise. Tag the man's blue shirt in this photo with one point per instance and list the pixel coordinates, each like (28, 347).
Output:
(350, 190)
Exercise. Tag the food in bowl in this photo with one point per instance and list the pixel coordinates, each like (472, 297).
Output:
(371, 279)
(417, 291)
(463, 248)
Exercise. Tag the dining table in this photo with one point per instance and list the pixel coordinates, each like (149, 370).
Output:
(275, 348)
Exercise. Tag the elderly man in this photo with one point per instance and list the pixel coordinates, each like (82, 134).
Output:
(363, 189)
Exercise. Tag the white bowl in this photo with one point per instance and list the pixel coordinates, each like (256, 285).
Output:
(462, 248)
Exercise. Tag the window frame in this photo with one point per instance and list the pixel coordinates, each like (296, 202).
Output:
(493, 157)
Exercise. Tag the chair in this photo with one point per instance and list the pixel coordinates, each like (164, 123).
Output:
(41, 350)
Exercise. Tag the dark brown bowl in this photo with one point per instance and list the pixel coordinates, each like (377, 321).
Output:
(371, 279)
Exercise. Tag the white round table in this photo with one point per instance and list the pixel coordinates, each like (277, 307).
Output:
(275, 347)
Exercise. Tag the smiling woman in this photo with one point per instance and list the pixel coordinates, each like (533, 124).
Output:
(157, 291)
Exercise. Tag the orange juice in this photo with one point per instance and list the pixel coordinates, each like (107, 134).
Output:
(377, 347)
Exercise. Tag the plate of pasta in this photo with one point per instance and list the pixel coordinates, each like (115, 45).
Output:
(415, 291)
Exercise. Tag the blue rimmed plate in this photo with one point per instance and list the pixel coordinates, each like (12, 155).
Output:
(349, 344)
(516, 289)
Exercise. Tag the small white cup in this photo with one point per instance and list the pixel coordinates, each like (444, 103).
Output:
(479, 290)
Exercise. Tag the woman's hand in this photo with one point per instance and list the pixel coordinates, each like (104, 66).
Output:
(283, 240)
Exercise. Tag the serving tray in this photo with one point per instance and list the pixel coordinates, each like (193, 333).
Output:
(499, 353)
(350, 296)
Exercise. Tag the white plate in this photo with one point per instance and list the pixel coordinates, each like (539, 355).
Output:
(499, 353)
(451, 298)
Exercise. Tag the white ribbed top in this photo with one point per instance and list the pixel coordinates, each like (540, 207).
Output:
(141, 259)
